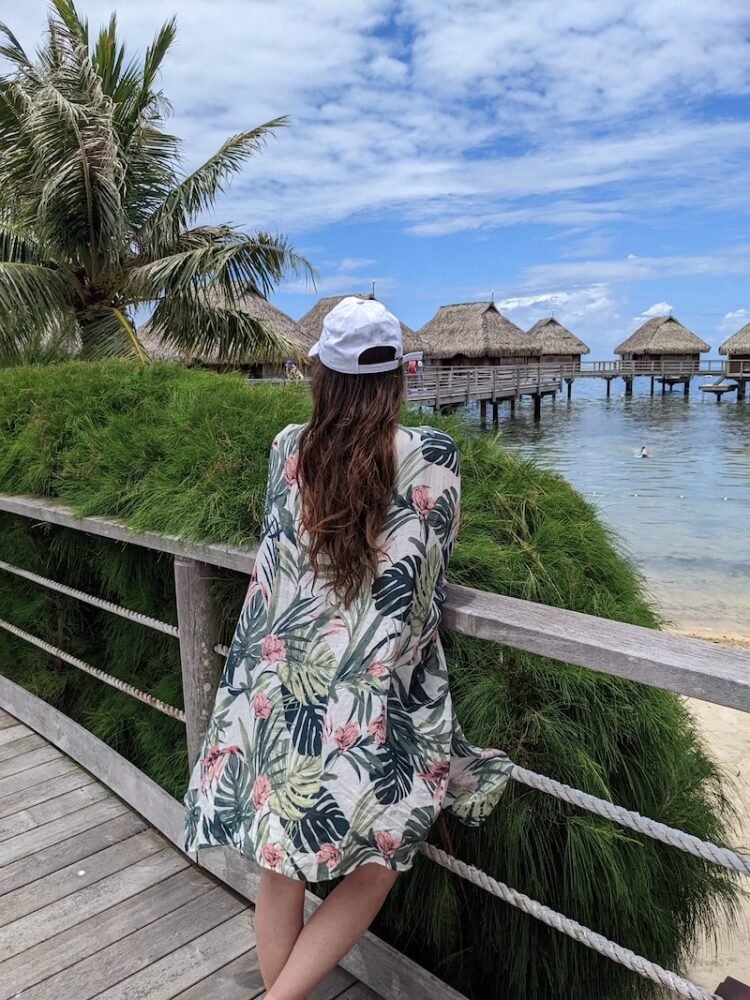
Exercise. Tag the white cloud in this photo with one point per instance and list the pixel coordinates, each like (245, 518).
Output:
(734, 320)
(462, 117)
(355, 263)
(657, 309)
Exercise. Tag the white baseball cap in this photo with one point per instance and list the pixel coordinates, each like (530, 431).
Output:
(354, 326)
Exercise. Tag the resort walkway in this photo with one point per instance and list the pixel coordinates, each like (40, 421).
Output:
(95, 903)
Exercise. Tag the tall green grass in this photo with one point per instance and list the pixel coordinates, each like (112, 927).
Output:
(184, 452)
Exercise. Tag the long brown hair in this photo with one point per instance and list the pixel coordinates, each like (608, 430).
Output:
(347, 469)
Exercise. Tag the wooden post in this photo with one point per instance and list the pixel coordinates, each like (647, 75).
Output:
(663, 386)
(687, 386)
(512, 407)
(741, 386)
(495, 414)
(538, 406)
(609, 387)
(198, 622)
(483, 412)
(629, 386)
(570, 387)
(652, 385)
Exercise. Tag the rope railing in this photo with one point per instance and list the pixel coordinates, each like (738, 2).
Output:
(74, 661)
(571, 928)
(712, 853)
(97, 602)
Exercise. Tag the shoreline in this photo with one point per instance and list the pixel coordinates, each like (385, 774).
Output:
(726, 732)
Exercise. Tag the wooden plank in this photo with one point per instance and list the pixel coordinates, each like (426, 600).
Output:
(76, 876)
(113, 770)
(51, 809)
(189, 964)
(27, 931)
(29, 842)
(333, 985)
(67, 852)
(237, 980)
(45, 790)
(372, 960)
(229, 556)
(692, 667)
(7, 720)
(20, 746)
(141, 949)
(96, 932)
(14, 766)
(359, 992)
(42, 772)
(11, 733)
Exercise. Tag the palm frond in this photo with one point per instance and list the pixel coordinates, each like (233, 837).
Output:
(13, 51)
(109, 333)
(197, 193)
(156, 52)
(78, 29)
(32, 290)
(196, 324)
(16, 247)
(220, 258)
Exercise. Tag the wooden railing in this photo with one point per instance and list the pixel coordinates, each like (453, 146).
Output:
(686, 666)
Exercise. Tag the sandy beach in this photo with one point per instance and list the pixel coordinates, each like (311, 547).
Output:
(727, 734)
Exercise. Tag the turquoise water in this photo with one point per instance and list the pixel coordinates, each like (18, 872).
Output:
(684, 513)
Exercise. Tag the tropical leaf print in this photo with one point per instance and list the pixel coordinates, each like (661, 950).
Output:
(304, 722)
(439, 448)
(308, 669)
(233, 805)
(393, 590)
(332, 733)
(298, 792)
(324, 824)
(442, 515)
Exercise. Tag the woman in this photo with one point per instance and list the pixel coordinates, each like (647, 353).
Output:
(333, 747)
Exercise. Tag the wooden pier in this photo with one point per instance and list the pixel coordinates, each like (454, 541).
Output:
(96, 903)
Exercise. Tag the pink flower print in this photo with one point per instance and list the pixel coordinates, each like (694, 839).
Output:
(336, 626)
(423, 502)
(273, 649)
(387, 843)
(437, 772)
(272, 854)
(377, 669)
(262, 706)
(376, 729)
(346, 736)
(462, 782)
(290, 469)
(329, 855)
(261, 791)
(214, 763)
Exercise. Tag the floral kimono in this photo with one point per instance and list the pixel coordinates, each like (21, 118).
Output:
(333, 741)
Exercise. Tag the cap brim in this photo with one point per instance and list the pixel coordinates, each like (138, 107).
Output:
(314, 350)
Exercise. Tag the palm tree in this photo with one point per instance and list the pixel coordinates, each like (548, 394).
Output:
(95, 219)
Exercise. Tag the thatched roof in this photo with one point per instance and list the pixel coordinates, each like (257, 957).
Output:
(662, 335)
(474, 329)
(255, 305)
(312, 322)
(739, 343)
(551, 337)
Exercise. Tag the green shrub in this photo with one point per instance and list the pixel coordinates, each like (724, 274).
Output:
(184, 452)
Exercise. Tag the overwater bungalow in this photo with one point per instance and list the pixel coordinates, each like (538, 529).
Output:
(474, 334)
(737, 351)
(666, 343)
(556, 344)
(255, 305)
(312, 322)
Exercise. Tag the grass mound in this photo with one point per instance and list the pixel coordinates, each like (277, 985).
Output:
(184, 452)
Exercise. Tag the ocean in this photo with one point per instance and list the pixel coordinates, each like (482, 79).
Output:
(683, 514)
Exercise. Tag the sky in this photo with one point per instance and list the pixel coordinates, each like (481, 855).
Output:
(588, 159)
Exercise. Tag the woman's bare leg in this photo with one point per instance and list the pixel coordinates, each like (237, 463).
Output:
(279, 916)
(333, 930)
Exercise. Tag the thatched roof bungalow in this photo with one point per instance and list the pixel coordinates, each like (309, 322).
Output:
(737, 350)
(312, 322)
(556, 344)
(255, 305)
(474, 333)
(663, 339)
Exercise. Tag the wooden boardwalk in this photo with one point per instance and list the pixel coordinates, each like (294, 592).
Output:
(95, 903)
